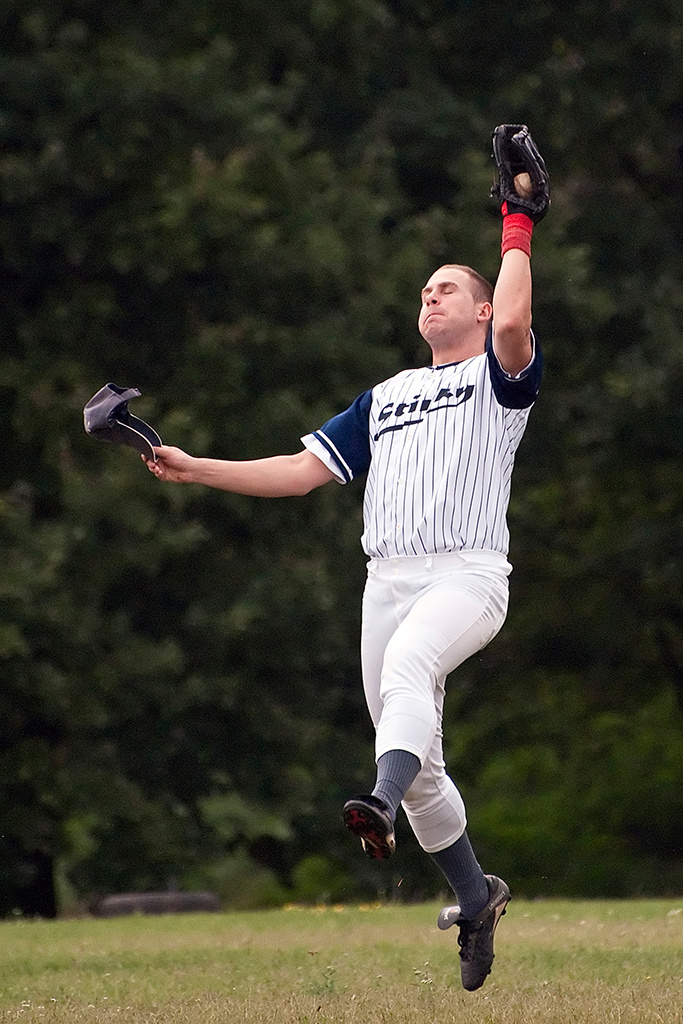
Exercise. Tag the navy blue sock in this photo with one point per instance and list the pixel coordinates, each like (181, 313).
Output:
(464, 875)
(396, 771)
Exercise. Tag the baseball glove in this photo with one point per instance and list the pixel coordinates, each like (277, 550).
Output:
(515, 152)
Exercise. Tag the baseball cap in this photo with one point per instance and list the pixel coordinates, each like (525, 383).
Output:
(107, 418)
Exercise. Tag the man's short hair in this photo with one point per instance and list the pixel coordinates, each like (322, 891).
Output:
(482, 290)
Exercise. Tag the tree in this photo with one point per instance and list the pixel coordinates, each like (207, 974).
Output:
(233, 208)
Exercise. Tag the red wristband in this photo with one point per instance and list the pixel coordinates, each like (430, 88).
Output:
(517, 230)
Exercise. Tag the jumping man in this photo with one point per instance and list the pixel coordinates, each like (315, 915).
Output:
(438, 445)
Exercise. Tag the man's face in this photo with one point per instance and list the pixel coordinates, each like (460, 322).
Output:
(448, 305)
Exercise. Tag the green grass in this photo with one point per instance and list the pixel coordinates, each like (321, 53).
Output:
(557, 963)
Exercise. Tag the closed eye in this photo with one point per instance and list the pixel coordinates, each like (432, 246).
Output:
(442, 289)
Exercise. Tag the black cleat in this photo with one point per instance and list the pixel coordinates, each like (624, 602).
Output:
(476, 935)
(368, 818)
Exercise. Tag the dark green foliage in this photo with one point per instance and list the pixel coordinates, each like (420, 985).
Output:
(233, 207)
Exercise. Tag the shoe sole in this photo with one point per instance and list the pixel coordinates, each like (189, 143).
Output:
(500, 909)
(499, 912)
(370, 828)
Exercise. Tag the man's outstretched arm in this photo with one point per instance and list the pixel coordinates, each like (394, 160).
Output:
(277, 477)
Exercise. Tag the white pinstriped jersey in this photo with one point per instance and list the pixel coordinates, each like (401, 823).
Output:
(438, 444)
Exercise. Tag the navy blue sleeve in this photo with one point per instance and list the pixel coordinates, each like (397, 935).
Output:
(347, 437)
(515, 392)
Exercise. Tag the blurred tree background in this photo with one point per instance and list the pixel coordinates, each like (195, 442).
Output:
(233, 206)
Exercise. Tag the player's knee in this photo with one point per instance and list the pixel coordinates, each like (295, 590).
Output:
(424, 794)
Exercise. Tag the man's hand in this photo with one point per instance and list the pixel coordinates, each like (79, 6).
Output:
(173, 465)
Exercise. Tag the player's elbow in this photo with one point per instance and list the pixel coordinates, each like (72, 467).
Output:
(302, 486)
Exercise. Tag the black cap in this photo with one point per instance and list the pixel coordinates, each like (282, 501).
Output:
(106, 418)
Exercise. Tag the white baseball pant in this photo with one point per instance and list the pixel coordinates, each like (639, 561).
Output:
(422, 617)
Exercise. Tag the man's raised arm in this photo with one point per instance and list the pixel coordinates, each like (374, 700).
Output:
(523, 190)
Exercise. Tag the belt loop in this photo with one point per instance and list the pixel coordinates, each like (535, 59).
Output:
(428, 562)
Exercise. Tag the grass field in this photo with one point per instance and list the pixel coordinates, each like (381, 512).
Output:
(557, 963)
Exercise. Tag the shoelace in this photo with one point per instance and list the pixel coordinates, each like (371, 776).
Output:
(466, 932)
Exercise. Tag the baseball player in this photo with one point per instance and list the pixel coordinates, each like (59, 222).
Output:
(437, 445)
